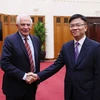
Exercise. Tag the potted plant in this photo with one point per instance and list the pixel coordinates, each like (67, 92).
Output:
(39, 31)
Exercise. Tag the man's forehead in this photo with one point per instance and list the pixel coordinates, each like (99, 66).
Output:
(78, 20)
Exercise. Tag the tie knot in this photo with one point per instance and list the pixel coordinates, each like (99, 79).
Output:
(25, 38)
(77, 43)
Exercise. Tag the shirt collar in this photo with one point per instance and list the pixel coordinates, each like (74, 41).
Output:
(81, 41)
(23, 36)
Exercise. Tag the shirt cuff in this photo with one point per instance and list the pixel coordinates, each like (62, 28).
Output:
(24, 77)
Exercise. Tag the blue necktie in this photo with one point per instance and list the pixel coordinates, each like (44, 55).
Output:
(76, 51)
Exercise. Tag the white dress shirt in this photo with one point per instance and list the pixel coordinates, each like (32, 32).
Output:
(32, 51)
(81, 41)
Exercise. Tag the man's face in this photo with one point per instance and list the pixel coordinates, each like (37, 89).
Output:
(24, 26)
(78, 28)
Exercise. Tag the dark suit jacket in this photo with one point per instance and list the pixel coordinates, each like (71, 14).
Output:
(15, 63)
(82, 79)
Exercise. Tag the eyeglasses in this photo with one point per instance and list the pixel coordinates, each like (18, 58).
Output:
(25, 24)
(76, 25)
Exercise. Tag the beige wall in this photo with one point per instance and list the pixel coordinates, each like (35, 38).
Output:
(50, 8)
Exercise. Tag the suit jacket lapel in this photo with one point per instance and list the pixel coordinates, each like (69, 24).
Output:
(22, 46)
(34, 44)
(83, 51)
(71, 53)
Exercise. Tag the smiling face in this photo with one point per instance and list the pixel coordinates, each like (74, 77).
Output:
(78, 28)
(24, 26)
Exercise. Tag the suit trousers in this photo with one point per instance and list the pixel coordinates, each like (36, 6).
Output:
(27, 96)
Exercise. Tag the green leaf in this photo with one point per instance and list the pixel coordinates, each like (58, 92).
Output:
(40, 32)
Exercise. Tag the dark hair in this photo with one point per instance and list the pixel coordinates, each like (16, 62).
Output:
(77, 16)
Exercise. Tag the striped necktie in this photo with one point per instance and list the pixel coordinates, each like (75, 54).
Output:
(29, 54)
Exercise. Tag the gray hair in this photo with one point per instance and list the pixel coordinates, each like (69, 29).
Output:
(21, 16)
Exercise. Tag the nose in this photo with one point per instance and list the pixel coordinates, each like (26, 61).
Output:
(75, 27)
(26, 26)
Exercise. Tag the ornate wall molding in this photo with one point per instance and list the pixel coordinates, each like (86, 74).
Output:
(40, 0)
(79, 1)
(97, 12)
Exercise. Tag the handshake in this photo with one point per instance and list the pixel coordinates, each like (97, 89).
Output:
(31, 77)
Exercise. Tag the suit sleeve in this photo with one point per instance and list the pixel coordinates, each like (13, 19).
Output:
(96, 95)
(52, 69)
(6, 61)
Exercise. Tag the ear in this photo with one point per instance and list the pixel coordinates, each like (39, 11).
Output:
(86, 27)
(17, 25)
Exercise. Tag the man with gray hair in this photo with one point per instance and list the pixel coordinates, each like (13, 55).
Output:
(20, 58)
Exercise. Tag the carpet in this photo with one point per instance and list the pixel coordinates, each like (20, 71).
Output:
(50, 89)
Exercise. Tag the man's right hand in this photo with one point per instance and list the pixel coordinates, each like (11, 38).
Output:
(31, 77)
